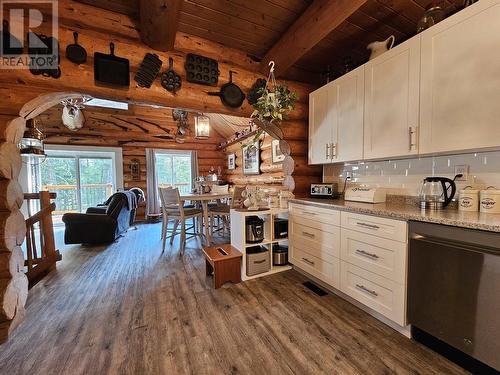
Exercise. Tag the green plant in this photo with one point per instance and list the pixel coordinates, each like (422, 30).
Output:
(274, 106)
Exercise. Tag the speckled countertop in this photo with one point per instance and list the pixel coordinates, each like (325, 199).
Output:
(401, 210)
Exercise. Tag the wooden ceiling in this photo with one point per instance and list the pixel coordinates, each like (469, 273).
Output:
(255, 26)
(137, 124)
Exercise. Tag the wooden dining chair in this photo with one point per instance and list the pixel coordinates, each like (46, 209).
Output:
(223, 211)
(173, 209)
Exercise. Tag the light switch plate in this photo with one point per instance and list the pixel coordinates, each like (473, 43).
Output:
(463, 169)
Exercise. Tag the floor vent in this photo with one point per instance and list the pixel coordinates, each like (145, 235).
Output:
(316, 289)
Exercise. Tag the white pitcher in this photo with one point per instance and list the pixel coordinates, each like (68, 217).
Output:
(379, 48)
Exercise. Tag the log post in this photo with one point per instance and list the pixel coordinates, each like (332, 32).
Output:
(13, 281)
(47, 229)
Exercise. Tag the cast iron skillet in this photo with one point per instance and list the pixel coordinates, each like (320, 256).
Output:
(75, 52)
(111, 69)
(230, 94)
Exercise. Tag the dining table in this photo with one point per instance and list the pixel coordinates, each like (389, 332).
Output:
(204, 198)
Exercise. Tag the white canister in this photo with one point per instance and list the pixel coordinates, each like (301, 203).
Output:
(490, 200)
(468, 199)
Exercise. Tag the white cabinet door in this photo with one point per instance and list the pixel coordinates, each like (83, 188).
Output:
(392, 102)
(348, 145)
(320, 129)
(460, 90)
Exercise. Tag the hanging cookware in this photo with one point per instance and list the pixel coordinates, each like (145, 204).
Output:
(111, 69)
(170, 80)
(75, 52)
(149, 69)
(41, 47)
(230, 94)
(202, 70)
(10, 44)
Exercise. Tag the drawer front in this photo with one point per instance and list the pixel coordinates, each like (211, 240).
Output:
(323, 251)
(376, 292)
(378, 226)
(322, 215)
(327, 240)
(328, 272)
(384, 257)
(299, 221)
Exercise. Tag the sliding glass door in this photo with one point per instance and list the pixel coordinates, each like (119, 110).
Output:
(80, 178)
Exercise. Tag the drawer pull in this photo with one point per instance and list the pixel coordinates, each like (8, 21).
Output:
(370, 226)
(309, 213)
(307, 234)
(365, 289)
(367, 254)
(308, 261)
(259, 261)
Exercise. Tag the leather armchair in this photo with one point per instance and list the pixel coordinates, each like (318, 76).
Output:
(102, 224)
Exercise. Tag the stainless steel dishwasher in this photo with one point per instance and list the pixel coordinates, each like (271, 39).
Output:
(454, 288)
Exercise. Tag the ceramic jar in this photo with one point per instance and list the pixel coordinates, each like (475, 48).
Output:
(490, 200)
(468, 199)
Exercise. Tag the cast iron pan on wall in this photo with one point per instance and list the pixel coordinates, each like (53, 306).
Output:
(75, 52)
(230, 94)
(111, 69)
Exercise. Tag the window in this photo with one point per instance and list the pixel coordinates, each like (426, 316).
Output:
(174, 169)
(82, 177)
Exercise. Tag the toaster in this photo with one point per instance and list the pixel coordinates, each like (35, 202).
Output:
(324, 191)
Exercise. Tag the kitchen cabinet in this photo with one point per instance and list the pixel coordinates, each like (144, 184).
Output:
(363, 256)
(460, 85)
(392, 102)
(320, 127)
(336, 120)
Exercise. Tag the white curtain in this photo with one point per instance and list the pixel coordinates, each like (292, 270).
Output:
(152, 203)
(194, 164)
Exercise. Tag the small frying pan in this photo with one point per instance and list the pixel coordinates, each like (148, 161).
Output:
(230, 94)
(170, 80)
(75, 52)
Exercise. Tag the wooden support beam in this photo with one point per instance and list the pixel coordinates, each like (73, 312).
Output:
(319, 20)
(159, 21)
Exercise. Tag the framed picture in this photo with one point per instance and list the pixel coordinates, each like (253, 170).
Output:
(231, 161)
(278, 156)
(251, 158)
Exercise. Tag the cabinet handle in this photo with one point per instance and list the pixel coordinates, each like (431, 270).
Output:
(308, 261)
(307, 234)
(334, 150)
(367, 254)
(370, 226)
(411, 144)
(327, 151)
(365, 289)
(309, 213)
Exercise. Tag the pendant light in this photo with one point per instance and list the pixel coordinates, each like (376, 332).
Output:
(202, 127)
(31, 145)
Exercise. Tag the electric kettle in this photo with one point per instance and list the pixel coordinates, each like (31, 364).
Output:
(435, 193)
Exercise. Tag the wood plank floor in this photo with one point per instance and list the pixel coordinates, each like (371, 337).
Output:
(127, 309)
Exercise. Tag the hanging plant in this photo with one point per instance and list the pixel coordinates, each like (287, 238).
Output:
(273, 104)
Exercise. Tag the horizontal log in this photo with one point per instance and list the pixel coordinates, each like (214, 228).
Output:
(11, 129)
(6, 327)
(10, 161)
(11, 195)
(12, 230)
(11, 263)
(13, 293)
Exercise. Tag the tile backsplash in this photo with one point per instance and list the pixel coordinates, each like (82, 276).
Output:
(404, 176)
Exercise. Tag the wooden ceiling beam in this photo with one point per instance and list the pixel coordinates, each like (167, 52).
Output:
(318, 20)
(159, 22)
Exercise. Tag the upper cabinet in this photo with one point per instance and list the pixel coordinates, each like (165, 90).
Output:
(391, 102)
(347, 142)
(336, 120)
(320, 127)
(460, 86)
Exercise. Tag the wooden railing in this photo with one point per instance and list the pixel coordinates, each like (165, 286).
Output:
(69, 201)
(43, 259)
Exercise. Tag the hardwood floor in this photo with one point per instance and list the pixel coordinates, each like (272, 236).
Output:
(127, 309)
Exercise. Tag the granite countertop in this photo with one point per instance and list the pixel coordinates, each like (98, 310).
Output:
(403, 211)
